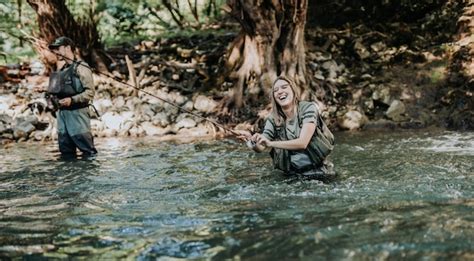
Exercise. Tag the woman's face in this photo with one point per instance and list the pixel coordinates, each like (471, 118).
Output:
(283, 94)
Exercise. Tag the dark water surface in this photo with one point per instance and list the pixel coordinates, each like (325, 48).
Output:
(401, 195)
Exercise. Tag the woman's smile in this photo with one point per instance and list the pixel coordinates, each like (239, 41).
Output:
(283, 93)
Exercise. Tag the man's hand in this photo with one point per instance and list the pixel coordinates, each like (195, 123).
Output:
(66, 102)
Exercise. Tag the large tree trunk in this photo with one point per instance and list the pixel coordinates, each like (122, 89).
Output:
(458, 100)
(54, 20)
(271, 43)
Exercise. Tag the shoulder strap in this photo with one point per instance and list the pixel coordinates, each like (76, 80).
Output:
(75, 64)
(80, 88)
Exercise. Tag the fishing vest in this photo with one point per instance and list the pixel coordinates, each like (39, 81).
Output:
(321, 144)
(65, 83)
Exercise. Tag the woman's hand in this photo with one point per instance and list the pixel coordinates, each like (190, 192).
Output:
(262, 140)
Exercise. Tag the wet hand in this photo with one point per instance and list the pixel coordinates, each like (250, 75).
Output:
(66, 102)
(260, 139)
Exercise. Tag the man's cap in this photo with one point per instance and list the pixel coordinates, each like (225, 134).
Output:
(60, 41)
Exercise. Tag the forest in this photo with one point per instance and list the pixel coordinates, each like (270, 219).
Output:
(368, 64)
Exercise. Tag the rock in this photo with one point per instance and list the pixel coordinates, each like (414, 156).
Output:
(3, 127)
(31, 119)
(332, 69)
(198, 131)
(170, 110)
(330, 65)
(320, 57)
(380, 124)
(382, 95)
(361, 50)
(313, 66)
(97, 126)
(319, 75)
(148, 44)
(396, 111)
(177, 98)
(160, 119)
(126, 126)
(112, 120)
(189, 105)
(378, 46)
(352, 120)
(185, 123)
(204, 104)
(8, 136)
(146, 112)
(102, 105)
(153, 130)
(6, 119)
(23, 130)
(413, 124)
(132, 102)
(136, 131)
(5, 110)
(185, 53)
(108, 133)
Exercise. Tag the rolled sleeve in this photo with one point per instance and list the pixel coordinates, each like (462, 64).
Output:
(309, 113)
(269, 130)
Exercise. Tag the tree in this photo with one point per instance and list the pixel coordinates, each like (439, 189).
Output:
(459, 101)
(270, 43)
(54, 20)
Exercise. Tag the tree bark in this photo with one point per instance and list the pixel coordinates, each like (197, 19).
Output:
(462, 62)
(271, 43)
(458, 97)
(54, 20)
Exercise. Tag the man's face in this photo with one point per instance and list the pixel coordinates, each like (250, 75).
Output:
(62, 51)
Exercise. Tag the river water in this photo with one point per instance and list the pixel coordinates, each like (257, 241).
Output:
(400, 195)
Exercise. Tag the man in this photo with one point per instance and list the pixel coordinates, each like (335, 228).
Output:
(72, 87)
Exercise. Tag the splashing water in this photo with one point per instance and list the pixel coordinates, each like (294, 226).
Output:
(399, 195)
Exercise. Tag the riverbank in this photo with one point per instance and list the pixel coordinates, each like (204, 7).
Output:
(361, 78)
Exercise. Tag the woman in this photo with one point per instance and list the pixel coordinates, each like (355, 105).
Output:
(298, 138)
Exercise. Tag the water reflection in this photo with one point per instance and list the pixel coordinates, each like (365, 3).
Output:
(400, 195)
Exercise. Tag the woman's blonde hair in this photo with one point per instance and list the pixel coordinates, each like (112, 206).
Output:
(277, 111)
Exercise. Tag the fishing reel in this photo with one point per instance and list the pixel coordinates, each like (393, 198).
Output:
(251, 144)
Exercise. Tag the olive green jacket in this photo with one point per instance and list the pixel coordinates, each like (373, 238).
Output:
(321, 144)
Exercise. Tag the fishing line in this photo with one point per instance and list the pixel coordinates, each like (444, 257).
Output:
(152, 95)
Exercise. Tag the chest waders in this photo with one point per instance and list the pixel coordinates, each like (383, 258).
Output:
(320, 146)
(74, 129)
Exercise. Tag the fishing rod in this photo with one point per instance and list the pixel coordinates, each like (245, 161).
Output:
(152, 95)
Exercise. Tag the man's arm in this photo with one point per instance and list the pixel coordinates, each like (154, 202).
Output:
(87, 80)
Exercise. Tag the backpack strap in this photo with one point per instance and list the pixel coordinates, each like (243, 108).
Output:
(74, 65)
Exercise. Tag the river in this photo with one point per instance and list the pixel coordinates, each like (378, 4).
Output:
(400, 195)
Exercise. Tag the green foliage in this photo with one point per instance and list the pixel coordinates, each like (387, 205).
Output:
(118, 21)
(123, 21)
(13, 27)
